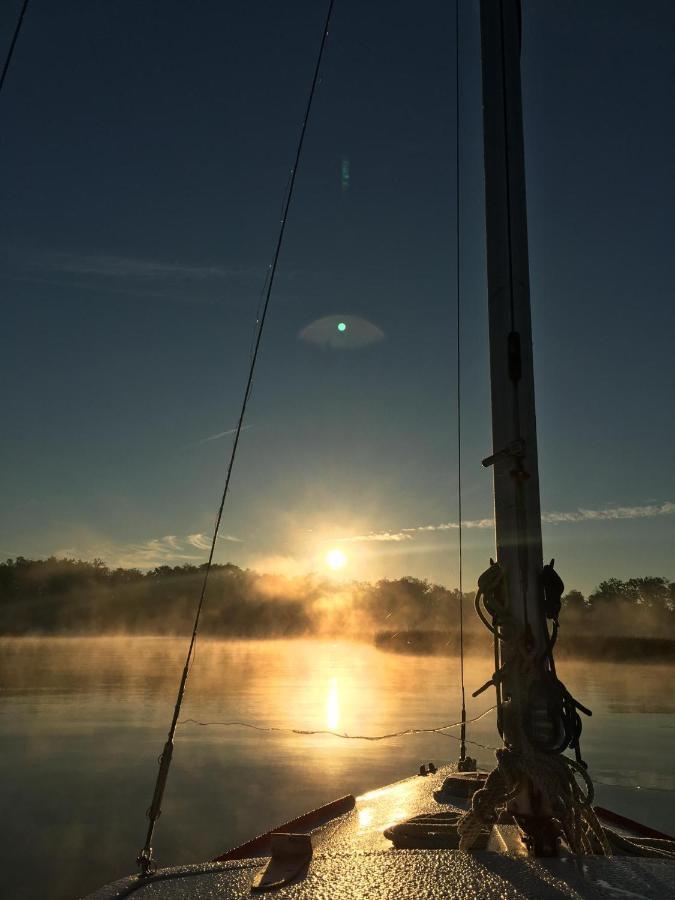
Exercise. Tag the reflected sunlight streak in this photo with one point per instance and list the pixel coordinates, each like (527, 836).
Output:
(333, 706)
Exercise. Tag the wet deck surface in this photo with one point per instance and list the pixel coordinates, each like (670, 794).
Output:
(411, 874)
(352, 859)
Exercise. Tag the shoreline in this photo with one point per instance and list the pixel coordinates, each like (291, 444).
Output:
(413, 642)
(613, 648)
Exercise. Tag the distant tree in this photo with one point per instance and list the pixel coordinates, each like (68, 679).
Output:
(402, 602)
(651, 591)
(612, 591)
(574, 602)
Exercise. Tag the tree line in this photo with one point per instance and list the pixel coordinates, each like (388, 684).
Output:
(68, 596)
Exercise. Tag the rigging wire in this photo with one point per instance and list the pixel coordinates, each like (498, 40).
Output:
(441, 729)
(10, 52)
(145, 857)
(462, 753)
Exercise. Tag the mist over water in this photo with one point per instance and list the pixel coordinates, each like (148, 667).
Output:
(632, 619)
(83, 721)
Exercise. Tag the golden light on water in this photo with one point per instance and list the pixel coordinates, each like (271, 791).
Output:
(333, 706)
(336, 559)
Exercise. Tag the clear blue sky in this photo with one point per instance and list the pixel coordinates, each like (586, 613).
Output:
(144, 151)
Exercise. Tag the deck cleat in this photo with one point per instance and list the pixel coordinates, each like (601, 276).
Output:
(291, 856)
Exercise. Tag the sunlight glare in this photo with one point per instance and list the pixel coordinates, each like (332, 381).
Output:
(336, 559)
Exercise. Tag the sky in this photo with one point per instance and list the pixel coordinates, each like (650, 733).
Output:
(143, 163)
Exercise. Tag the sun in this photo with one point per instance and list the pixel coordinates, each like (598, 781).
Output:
(336, 559)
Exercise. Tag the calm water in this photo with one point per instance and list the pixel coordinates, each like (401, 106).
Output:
(82, 722)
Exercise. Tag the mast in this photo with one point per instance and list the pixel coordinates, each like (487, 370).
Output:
(537, 716)
(514, 433)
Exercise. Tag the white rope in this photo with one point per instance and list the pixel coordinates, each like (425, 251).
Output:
(554, 777)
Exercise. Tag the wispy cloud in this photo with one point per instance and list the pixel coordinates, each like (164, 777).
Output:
(220, 434)
(203, 541)
(377, 536)
(149, 554)
(451, 526)
(106, 273)
(650, 511)
(102, 287)
(168, 550)
(200, 541)
(610, 513)
(108, 266)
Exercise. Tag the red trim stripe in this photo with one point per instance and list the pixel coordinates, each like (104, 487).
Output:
(629, 824)
(259, 846)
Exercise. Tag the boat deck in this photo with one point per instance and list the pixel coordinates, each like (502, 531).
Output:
(353, 859)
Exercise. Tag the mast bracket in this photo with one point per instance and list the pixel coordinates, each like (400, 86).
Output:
(514, 449)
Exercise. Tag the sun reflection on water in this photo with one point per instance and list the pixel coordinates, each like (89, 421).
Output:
(333, 706)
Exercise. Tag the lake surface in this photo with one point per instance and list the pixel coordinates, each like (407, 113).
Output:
(83, 720)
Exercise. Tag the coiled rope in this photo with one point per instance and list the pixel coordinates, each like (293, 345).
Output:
(535, 761)
(557, 778)
(553, 777)
(144, 858)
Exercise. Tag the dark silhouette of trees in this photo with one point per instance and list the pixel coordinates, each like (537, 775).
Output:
(73, 596)
(650, 592)
(574, 602)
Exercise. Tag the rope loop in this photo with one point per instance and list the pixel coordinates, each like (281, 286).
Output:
(541, 723)
(554, 778)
